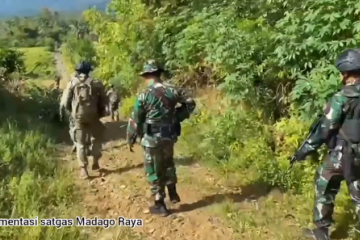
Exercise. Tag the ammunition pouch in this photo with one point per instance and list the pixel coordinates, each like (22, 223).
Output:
(351, 128)
(352, 147)
(164, 130)
(182, 113)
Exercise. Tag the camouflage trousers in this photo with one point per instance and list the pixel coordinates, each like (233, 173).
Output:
(114, 111)
(72, 130)
(327, 184)
(82, 134)
(159, 167)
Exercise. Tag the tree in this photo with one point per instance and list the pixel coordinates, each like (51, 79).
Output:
(11, 61)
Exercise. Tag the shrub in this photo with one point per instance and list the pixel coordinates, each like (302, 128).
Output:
(127, 106)
(33, 181)
(11, 61)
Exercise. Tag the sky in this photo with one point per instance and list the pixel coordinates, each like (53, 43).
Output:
(9, 8)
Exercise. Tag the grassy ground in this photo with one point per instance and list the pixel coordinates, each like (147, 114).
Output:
(267, 212)
(39, 63)
(33, 181)
(67, 59)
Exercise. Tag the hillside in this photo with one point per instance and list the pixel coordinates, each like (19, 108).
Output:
(20, 8)
(259, 73)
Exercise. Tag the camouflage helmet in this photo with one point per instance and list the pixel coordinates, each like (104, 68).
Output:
(151, 66)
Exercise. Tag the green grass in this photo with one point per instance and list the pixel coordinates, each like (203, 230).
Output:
(67, 58)
(39, 63)
(242, 158)
(281, 217)
(33, 180)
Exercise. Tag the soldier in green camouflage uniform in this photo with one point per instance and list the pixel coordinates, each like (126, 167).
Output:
(154, 119)
(340, 130)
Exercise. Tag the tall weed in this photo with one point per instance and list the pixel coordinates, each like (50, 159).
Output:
(238, 141)
(33, 182)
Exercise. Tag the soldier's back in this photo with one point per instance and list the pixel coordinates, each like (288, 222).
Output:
(160, 102)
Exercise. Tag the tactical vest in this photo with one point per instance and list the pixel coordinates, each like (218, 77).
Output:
(167, 125)
(351, 121)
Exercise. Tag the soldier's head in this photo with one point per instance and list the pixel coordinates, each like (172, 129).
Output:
(348, 64)
(111, 86)
(152, 71)
(84, 67)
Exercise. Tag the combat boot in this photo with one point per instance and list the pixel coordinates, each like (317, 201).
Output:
(84, 173)
(321, 233)
(173, 195)
(88, 152)
(160, 208)
(95, 166)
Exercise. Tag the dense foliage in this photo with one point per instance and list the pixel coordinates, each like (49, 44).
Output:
(275, 56)
(254, 52)
(10, 61)
(45, 29)
(76, 49)
(272, 60)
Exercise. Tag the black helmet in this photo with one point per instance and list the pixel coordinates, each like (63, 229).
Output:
(348, 61)
(84, 67)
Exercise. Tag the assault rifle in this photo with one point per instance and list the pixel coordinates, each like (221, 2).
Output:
(313, 127)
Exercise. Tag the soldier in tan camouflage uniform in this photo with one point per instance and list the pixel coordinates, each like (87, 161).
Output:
(57, 81)
(86, 100)
(114, 100)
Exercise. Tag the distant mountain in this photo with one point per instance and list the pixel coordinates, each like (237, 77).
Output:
(10, 8)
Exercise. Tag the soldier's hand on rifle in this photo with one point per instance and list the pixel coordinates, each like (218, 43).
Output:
(300, 155)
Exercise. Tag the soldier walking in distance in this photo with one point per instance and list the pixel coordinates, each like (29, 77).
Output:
(113, 97)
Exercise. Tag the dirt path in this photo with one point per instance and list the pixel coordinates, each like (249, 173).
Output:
(60, 66)
(123, 191)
